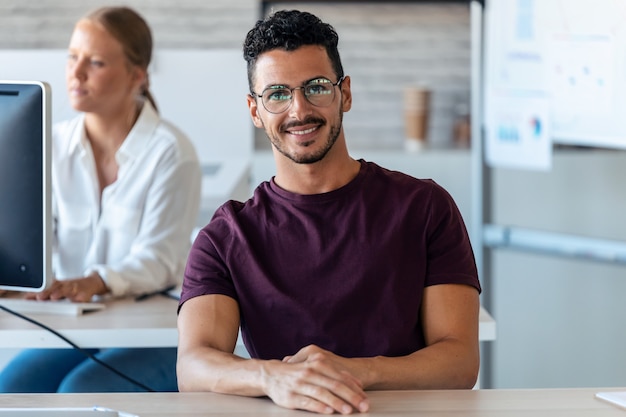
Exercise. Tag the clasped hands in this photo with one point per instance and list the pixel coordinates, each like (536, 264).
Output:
(315, 380)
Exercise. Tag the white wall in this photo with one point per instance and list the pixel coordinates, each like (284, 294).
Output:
(202, 91)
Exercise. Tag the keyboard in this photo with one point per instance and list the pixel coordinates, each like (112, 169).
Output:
(61, 307)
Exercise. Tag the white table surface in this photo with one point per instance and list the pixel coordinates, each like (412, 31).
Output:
(123, 323)
(453, 403)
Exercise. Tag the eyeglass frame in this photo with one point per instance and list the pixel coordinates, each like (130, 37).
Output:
(301, 87)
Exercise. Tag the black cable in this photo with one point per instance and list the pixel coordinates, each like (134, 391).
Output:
(75, 346)
(172, 296)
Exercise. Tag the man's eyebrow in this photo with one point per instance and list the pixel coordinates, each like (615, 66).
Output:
(320, 77)
(275, 86)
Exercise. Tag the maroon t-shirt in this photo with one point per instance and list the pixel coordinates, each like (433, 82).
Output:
(344, 270)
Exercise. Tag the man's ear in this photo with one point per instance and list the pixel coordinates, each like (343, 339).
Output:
(346, 94)
(254, 111)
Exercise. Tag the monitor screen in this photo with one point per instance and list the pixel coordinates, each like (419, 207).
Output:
(25, 190)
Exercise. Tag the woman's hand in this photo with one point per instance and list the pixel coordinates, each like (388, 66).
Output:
(77, 289)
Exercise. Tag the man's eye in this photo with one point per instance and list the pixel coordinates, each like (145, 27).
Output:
(279, 95)
(317, 89)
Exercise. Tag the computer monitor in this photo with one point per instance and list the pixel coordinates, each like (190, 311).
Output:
(25, 186)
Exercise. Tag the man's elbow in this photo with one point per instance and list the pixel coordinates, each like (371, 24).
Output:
(467, 376)
(181, 377)
(468, 380)
(187, 376)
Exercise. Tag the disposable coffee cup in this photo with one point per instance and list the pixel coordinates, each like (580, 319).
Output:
(416, 115)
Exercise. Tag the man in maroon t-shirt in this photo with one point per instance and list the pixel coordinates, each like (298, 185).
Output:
(343, 276)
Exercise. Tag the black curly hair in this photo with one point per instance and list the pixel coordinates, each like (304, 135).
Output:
(289, 30)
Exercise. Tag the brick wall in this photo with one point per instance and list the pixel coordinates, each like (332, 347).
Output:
(385, 48)
(178, 23)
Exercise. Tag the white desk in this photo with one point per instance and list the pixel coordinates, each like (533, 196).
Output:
(222, 180)
(124, 323)
(456, 403)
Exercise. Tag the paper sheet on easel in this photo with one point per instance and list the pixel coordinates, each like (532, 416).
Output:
(518, 132)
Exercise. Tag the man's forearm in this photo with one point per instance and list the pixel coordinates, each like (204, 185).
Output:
(448, 364)
(209, 369)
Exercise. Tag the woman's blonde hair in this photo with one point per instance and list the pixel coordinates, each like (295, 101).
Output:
(133, 32)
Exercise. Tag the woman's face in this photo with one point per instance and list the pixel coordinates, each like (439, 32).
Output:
(99, 77)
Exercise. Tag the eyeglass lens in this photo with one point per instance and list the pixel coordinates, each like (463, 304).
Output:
(319, 92)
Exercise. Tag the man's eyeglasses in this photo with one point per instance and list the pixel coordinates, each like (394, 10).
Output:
(319, 92)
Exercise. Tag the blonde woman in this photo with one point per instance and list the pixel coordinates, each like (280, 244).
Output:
(126, 190)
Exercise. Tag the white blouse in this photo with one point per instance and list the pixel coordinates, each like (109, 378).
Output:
(138, 235)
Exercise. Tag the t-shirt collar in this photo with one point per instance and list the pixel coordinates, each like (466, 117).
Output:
(354, 183)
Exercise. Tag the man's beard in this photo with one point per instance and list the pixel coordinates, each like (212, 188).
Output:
(308, 158)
